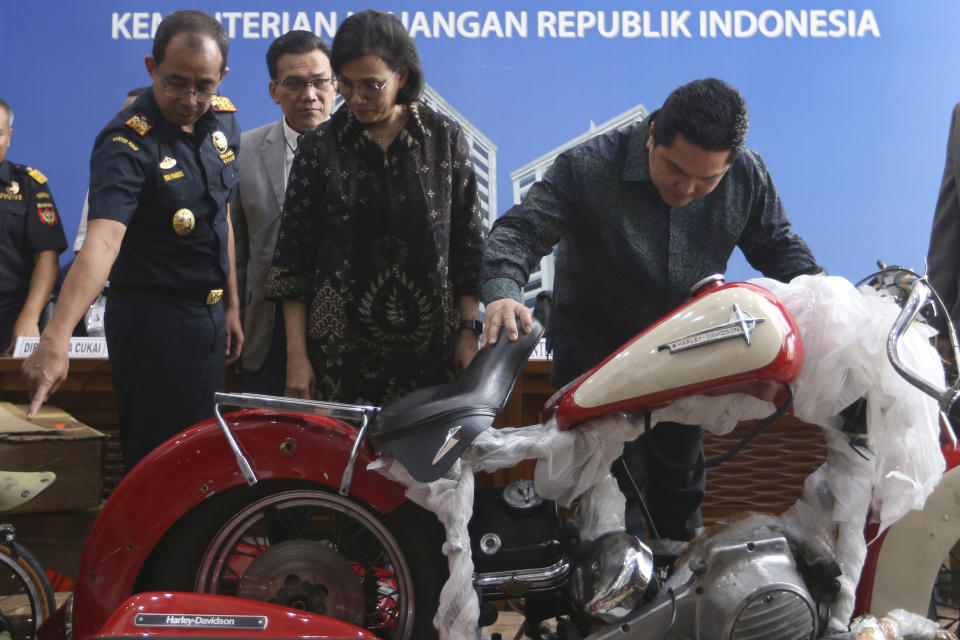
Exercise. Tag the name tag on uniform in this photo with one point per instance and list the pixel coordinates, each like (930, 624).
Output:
(77, 348)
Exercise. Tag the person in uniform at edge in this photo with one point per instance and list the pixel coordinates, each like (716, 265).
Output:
(31, 239)
(162, 173)
(641, 214)
(943, 256)
(301, 82)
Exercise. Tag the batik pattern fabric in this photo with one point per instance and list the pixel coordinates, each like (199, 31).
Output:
(380, 245)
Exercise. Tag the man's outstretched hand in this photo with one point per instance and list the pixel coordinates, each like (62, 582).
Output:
(45, 370)
(507, 312)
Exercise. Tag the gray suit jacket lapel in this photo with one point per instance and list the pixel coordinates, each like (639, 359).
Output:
(272, 149)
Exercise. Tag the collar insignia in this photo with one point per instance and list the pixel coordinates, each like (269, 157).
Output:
(740, 325)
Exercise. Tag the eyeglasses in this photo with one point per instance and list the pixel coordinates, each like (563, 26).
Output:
(172, 91)
(297, 86)
(366, 89)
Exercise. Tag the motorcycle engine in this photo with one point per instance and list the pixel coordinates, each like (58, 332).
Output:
(516, 537)
(731, 589)
(752, 590)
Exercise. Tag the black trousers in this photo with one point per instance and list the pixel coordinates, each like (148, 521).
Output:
(271, 378)
(11, 304)
(167, 358)
(673, 496)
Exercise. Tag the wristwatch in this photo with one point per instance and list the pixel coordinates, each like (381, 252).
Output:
(473, 325)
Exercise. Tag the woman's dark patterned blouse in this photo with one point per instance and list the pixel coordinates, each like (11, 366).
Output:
(380, 246)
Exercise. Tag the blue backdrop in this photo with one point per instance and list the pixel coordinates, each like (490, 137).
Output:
(849, 103)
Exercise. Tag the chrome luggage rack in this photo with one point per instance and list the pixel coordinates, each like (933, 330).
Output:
(355, 415)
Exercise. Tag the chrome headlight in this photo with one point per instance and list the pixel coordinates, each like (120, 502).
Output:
(610, 579)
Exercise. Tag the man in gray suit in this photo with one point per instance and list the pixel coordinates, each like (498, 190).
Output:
(943, 257)
(301, 82)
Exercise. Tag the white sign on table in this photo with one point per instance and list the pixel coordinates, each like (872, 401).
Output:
(77, 348)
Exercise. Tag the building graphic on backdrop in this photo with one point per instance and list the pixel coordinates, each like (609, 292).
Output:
(541, 279)
(482, 150)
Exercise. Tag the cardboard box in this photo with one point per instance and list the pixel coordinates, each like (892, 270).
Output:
(53, 441)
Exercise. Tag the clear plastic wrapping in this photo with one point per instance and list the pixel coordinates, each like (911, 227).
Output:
(898, 625)
(844, 333)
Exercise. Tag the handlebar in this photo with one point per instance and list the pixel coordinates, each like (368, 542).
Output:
(946, 397)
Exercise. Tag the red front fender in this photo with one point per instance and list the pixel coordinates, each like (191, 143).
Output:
(193, 466)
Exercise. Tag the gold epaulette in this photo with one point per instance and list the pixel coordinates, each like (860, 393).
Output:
(140, 123)
(222, 103)
(36, 175)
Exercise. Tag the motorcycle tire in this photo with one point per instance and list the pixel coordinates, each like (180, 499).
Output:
(307, 547)
(26, 597)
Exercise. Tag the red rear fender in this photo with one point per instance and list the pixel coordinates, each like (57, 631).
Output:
(195, 465)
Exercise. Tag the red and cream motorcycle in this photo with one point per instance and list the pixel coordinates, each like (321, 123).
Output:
(326, 507)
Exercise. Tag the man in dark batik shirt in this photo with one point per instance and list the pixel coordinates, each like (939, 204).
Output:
(641, 214)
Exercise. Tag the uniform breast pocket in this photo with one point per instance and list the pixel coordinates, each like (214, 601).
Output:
(175, 191)
(230, 176)
(12, 213)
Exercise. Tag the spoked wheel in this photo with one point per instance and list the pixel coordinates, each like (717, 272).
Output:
(26, 597)
(945, 598)
(312, 550)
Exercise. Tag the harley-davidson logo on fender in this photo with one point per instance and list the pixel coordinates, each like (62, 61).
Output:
(741, 325)
(200, 621)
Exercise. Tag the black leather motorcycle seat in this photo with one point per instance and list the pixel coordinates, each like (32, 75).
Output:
(413, 428)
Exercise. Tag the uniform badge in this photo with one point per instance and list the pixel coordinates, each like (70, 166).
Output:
(14, 188)
(183, 222)
(140, 123)
(220, 141)
(167, 163)
(37, 175)
(223, 104)
(47, 213)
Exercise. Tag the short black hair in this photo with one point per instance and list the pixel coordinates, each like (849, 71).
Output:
(190, 21)
(6, 107)
(383, 35)
(709, 113)
(297, 41)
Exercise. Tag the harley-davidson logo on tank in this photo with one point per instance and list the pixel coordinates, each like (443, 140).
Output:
(736, 329)
(740, 326)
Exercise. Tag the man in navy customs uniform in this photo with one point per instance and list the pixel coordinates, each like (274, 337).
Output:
(301, 82)
(31, 239)
(161, 176)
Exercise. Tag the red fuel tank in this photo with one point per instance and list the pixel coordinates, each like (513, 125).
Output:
(724, 337)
